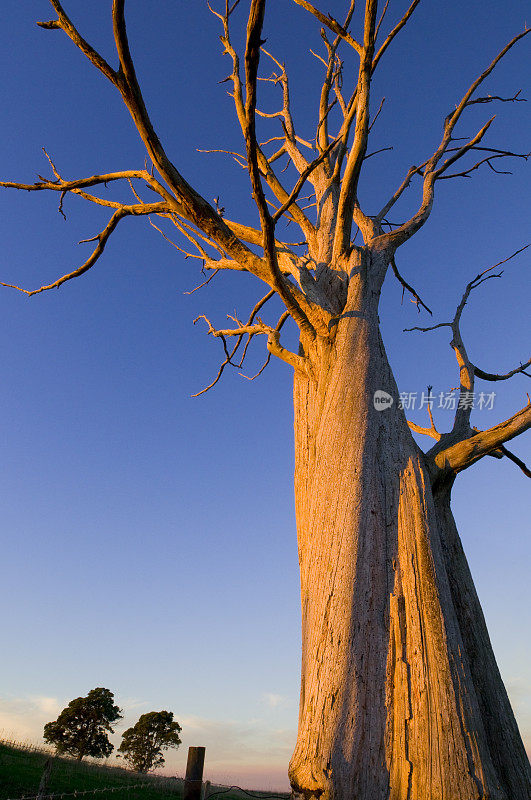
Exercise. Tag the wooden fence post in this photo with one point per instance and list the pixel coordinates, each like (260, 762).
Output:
(45, 778)
(194, 773)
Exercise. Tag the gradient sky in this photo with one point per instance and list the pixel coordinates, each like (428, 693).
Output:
(148, 538)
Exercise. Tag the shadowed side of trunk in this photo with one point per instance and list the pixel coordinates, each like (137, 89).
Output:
(504, 740)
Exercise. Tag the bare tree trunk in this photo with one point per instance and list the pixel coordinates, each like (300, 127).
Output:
(388, 705)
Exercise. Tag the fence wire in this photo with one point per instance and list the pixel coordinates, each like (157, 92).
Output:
(144, 785)
(258, 795)
(81, 792)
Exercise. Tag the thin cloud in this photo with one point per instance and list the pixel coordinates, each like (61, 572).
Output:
(23, 718)
(274, 700)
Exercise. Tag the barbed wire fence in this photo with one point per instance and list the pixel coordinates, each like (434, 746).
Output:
(257, 795)
(168, 786)
(82, 792)
(145, 784)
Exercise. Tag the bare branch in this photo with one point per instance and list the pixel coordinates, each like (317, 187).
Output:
(200, 286)
(260, 371)
(490, 98)
(409, 288)
(431, 328)
(263, 163)
(64, 23)
(331, 23)
(464, 149)
(299, 363)
(414, 170)
(228, 356)
(189, 203)
(487, 160)
(382, 101)
(490, 376)
(202, 254)
(298, 159)
(348, 192)
(238, 158)
(278, 327)
(331, 77)
(60, 185)
(432, 172)
(467, 370)
(334, 68)
(401, 189)
(425, 431)
(382, 17)
(398, 27)
(222, 333)
(305, 174)
(252, 58)
(185, 199)
(432, 430)
(452, 119)
(216, 379)
(458, 457)
(231, 355)
(519, 463)
(253, 329)
(101, 238)
(409, 228)
(338, 93)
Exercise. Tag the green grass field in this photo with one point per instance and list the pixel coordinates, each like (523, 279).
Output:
(21, 769)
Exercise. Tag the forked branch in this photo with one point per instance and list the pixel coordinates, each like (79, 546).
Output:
(432, 169)
(252, 59)
(288, 139)
(254, 327)
(468, 371)
(349, 184)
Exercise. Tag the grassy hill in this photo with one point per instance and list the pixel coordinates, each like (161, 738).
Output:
(21, 769)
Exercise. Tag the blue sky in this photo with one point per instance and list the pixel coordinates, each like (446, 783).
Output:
(148, 537)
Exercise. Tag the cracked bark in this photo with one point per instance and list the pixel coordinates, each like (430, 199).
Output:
(400, 695)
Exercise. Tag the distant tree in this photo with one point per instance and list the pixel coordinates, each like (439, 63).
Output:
(142, 745)
(81, 728)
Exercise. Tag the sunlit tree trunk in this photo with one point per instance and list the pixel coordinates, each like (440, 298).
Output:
(389, 707)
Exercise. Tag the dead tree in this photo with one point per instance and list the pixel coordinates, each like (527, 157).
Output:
(400, 696)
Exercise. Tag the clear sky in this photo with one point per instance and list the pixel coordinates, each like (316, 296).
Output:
(149, 540)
